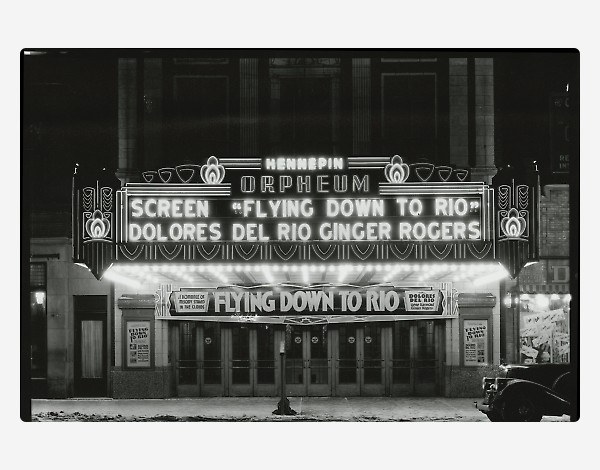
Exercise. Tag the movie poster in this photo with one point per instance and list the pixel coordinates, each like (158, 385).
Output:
(138, 344)
(476, 342)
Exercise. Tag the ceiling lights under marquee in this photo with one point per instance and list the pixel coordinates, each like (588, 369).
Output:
(302, 218)
(212, 275)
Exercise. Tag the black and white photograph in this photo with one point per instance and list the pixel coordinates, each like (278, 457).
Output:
(225, 235)
(385, 229)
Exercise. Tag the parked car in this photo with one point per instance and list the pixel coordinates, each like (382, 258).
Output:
(527, 392)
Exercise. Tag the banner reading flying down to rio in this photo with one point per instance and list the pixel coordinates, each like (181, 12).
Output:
(289, 302)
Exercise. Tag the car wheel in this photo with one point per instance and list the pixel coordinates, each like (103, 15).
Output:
(494, 416)
(519, 409)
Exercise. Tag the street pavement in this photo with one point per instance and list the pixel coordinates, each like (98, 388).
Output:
(260, 409)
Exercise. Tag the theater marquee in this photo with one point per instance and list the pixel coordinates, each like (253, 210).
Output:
(300, 210)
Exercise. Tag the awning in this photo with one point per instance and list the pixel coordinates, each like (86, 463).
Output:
(545, 288)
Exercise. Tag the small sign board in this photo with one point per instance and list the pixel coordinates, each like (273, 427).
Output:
(422, 300)
(191, 302)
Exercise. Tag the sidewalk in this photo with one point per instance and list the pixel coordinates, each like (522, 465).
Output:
(260, 409)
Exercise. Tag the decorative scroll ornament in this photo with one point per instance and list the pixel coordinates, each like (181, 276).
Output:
(396, 171)
(97, 227)
(212, 172)
(513, 225)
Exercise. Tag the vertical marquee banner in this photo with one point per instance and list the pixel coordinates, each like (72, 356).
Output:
(94, 213)
(517, 218)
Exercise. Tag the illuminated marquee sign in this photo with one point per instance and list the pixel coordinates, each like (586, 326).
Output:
(317, 208)
(303, 209)
(422, 217)
(287, 303)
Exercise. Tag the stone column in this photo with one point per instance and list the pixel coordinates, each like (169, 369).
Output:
(127, 119)
(361, 106)
(484, 121)
(459, 112)
(248, 107)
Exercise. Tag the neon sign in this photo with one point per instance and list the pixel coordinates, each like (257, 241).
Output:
(304, 210)
(424, 216)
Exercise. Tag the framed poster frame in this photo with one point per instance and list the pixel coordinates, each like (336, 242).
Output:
(489, 344)
(132, 318)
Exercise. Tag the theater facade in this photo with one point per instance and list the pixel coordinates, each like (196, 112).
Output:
(375, 276)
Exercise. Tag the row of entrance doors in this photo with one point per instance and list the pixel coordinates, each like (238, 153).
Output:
(372, 359)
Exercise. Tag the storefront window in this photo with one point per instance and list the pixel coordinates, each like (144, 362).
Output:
(545, 328)
(37, 303)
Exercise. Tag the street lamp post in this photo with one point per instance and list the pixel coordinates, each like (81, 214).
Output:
(283, 407)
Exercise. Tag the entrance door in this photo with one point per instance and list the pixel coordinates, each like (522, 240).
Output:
(90, 378)
(265, 361)
(199, 351)
(216, 360)
(415, 361)
(372, 363)
(359, 362)
(251, 360)
(238, 349)
(308, 361)
(426, 357)
(211, 360)
(347, 374)
(402, 373)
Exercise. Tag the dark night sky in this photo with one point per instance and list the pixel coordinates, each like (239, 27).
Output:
(70, 113)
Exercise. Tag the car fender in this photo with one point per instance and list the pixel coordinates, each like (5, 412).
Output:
(544, 398)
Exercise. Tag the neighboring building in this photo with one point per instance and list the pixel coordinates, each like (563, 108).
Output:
(437, 108)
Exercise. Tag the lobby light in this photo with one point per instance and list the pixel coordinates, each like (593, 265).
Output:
(39, 297)
(496, 275)
(542, 301)
(117, 278)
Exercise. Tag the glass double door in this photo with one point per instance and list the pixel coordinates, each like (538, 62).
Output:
(360, 359)
(308, 360)
(415, 352)
(216, 359)
(252, 361)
